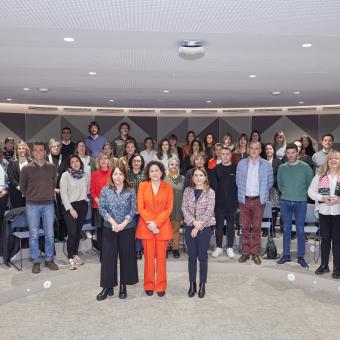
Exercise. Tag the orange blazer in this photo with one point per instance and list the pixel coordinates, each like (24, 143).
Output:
(155, 208)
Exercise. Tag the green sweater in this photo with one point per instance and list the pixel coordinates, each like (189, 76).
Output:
(294, 180)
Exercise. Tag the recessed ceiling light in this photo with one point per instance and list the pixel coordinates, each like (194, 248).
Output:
(165, 91)
(43, 89)
(296, 92)
(307, 45)
(92, 73)
(301, 102)
(111, 100)
(276, 93)
(208, 101)
(173, 74)
(26, 88)
(9, 99)
(252, 76)
(68, 39)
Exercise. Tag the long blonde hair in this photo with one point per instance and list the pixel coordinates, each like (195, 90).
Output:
(206, 183)
(23, 144)
(324, 169)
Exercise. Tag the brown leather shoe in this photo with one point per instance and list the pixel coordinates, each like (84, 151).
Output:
(51, 265)
(243, 258)
(36, 268)
(256, 259)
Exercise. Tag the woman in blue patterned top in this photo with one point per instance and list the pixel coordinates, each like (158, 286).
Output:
(117, 206)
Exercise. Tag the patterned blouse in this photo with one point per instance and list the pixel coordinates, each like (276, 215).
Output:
(5, 185)
(135, 179)
(118, 206)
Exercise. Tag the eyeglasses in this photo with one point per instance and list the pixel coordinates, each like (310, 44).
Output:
(137, 161)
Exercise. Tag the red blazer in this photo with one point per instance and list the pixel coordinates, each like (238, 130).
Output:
(155, 208)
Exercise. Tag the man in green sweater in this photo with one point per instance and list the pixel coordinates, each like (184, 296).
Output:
(293, 179)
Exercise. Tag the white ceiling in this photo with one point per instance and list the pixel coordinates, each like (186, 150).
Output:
(133, 47)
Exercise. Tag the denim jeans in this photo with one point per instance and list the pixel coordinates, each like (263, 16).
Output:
(36, 212)
(299, 209)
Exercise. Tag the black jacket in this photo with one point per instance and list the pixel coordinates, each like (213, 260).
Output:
(224, 184)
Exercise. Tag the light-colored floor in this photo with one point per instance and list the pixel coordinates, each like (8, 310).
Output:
(243, 301)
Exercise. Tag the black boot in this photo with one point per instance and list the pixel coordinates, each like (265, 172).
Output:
(192, 289)
(201, 291)
(104, 293)
(265, 233)
(122, 291)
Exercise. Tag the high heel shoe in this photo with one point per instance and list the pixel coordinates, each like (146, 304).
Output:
(201, 291)
(104, 293)
(192, 289)
(122, 291)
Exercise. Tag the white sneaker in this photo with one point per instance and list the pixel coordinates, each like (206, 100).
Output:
(88, 234)
(217, 252)
(77, 260)
(230, 253)
(71, 264)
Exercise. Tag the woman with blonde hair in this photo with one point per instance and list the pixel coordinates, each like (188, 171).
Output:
(325, 191)
(280, 144)
(198, 210)
(177, 181)
(21, 157)
(99, 179)
(108, 150)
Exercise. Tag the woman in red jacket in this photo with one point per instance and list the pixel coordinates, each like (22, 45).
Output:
(155, 201)
(99, 179)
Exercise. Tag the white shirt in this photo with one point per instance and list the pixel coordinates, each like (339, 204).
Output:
(148, 156)
(253, 183)
(313, 193)
(164, 160)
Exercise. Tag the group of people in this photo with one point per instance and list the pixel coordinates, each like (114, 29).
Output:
(139, 200)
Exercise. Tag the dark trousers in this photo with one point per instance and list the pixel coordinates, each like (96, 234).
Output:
(220, 216)
(198, 250)
(251, 214)
(122, 244)
(74, 226)
(59, 225)
(97, 221)
(330, 236)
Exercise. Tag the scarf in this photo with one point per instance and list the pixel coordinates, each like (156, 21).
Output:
(76, 174)
(173, 177)
(323, 186)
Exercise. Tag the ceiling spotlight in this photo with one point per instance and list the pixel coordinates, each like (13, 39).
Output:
(165, 91)
(26, 88)
(301, 102)
(252, 76)
(9, 99)
(43, 89)
(276, 93)
(307, 45)
(296, 92)
(191, 49)
(208, 101)
(92, 73)
(111, 100)
(68, 39)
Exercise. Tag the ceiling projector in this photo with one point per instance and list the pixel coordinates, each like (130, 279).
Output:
(191, 49)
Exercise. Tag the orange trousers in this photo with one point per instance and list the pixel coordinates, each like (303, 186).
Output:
(155, 250)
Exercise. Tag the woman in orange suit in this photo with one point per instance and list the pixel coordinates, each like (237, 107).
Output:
(154, 201)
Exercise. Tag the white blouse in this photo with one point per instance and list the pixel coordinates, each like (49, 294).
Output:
(313, 193)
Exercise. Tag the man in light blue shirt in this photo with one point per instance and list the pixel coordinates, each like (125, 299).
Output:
(254, 179)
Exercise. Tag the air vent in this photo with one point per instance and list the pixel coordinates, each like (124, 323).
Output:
(331, 108)
(235, 111)
(77, 109)
(302, 109)
(142, 111)
(267, 110)
(173, 112)
(43, 108)
(110, 110)
(204, 112)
